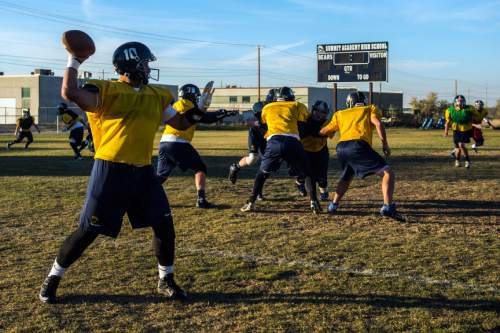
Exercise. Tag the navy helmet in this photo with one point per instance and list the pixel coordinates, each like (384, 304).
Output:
(459, 101)
(190, 92)
(271, 96)
(285, 94)
(131, 59)
(257, 107)
(354, 98)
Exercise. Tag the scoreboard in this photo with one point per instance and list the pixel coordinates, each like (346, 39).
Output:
(355, 62)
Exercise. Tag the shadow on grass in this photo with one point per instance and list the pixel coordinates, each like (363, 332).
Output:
(430, 168)
(381, 301)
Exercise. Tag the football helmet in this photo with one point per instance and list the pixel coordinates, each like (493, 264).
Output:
(271, 96)
(354, 98)
(257, 107)
(479, 104)
(190, 92)
(285, 94)
(459, 101)
(62, 107)
(320, 111)
(132, 60)
(26, 113)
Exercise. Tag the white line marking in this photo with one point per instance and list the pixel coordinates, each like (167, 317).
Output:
(339, 269)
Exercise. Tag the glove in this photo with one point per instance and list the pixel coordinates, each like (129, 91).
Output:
(206, 96)
(194, 115)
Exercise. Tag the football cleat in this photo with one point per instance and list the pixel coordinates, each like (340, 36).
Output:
(467, 164)
(233, 172)
(168, 287)
(390, 211)
(260, 197)
(324, 196)
(457, 163)
(474, 147)
(315, 207)
(332, 207)
(248, 207)
(49, 287)
(202, 203)
(301, 187)
(8, 146)
(452, 154)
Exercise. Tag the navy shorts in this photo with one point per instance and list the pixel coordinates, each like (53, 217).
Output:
(115, 189)
(76, 135)
(256, 141)
(182, 154)
(24, 134)
(461, 137)
(358, 159)
(285, 148)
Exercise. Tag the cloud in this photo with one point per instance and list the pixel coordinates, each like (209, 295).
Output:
(485, 12)
(87, 8)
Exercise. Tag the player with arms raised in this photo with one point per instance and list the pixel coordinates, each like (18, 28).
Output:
(124, 116)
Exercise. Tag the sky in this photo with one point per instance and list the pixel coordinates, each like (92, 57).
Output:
(431, 43)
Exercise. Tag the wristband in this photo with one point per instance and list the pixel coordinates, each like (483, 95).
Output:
(73, 62)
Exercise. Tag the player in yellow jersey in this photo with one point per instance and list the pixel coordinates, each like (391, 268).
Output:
(76, 127)
(316, 149)
(175, 145)
(283, 144)
(23, 129)
(124, 116)
(459, 117)
(355, 154)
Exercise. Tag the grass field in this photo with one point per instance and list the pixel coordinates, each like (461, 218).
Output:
(278, 269)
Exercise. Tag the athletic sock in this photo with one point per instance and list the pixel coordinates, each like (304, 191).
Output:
(201, 194)
(164, 270)
(57, 269)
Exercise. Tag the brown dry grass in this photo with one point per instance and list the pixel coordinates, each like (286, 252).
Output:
(278, 269)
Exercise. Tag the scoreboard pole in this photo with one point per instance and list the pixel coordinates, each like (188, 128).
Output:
(334, 106)
(370, 93)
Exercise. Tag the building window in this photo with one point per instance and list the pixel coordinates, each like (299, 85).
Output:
(233, 99)
(25, 93)
(246, 99)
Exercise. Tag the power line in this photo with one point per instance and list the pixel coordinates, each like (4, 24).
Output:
(38, 13)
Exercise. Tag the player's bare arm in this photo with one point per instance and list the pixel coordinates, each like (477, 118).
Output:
(85, 99)
(381, 134)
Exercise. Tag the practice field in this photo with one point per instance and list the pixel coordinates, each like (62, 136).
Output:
(278, 269)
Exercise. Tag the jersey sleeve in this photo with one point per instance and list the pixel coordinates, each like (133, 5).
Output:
(102, 88)
(447, 115)
(303, 113)
(332, 126)
(375, 112)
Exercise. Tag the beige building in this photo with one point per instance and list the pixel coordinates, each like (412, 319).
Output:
(40, 92)
(242, 99)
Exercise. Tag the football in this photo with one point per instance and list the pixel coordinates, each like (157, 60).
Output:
(78, 43)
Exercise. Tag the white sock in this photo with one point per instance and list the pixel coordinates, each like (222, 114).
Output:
(57, 269)
(164, 270)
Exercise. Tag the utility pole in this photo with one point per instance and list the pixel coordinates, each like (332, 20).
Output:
(456, 87)
(258, 73)
(486, 101)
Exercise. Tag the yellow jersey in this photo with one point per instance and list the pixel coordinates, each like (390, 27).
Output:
(354, 123)
(468, 114)
(181, 106)
(282, 117)
(126, 120)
